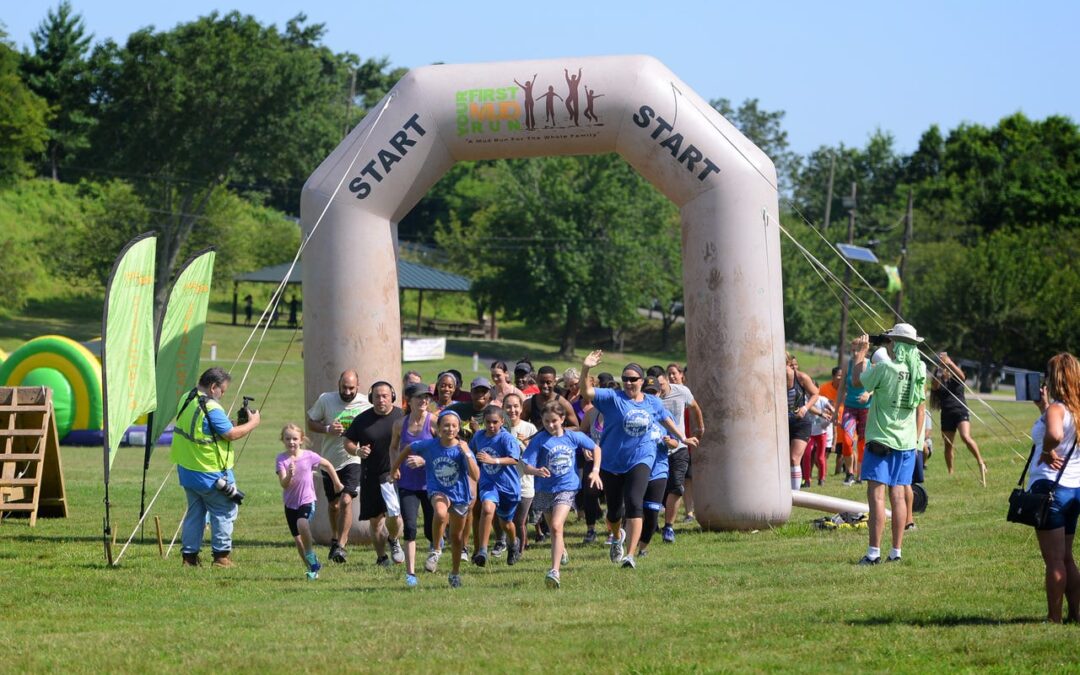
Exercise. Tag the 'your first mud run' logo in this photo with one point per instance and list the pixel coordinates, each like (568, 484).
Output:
(513, 108)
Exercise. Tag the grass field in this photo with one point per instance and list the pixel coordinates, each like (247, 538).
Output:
(968, 595)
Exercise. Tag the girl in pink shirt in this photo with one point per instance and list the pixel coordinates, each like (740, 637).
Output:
(295, 470)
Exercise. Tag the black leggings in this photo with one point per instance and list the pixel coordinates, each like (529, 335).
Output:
(625, 492)
(411, 502)
(653, 504)
(588, 500)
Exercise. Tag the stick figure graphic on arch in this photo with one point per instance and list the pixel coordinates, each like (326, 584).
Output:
(722, 183)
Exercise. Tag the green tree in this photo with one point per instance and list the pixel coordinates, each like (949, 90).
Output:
(562, 240)
(764, 128)
(1019, 173)
(1008, 298)
(221, 100)
(24, 117)
(57, 70)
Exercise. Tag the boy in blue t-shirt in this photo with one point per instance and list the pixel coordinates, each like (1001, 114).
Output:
(654, 493)
(552, 457)
(499, 487)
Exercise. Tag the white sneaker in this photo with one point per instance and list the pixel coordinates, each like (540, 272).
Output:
(432, 563)
(552, 579)
(565, 557)
(616, 552)
(397, 554)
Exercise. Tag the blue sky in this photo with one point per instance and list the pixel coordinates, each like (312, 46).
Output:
(839, 69)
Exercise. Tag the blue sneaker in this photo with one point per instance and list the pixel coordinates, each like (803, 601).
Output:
(411, 581)
(312, 576)
(669, 534)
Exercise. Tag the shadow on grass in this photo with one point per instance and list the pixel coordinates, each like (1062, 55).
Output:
(946, 621)
(56, 539)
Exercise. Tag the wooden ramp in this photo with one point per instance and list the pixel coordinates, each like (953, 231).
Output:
(31, 478)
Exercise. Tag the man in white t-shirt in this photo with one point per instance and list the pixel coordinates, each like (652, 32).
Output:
(330, 416)
(677, 399)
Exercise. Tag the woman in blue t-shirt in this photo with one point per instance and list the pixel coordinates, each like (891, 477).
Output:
(628, 452)
(448, 464)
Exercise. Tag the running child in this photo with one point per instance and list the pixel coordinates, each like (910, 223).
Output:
(523, 431)
(295, 469)
(448, 465)
(658, 479)
(499, 490)
(552, 458)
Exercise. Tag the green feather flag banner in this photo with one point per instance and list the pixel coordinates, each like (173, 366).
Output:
(127, 347)
(180, 338)
(893, 274)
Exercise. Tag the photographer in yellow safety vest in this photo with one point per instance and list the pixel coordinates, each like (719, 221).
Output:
(202, 451)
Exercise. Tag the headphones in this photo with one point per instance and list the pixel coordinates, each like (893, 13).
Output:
(371, 392)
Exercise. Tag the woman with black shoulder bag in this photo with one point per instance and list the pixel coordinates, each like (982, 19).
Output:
(1054, 434)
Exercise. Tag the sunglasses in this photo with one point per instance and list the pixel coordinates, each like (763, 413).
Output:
(628, 380)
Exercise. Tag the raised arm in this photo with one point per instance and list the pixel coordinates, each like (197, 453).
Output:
(592, 359)
(859, 347)
(956, 370)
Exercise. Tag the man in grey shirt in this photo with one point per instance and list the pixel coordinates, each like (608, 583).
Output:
(330, 416)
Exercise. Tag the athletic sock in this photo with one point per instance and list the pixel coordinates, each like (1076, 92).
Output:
(796, 477)
(873, 552)
(311, 559)
(895, 553)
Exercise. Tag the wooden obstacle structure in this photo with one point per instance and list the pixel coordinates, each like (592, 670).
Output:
(31, 478)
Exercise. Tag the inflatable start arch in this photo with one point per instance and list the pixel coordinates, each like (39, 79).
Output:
(723, 184)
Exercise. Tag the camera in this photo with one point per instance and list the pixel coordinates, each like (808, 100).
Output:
(229, 490)
(878, 340)
(243, 415)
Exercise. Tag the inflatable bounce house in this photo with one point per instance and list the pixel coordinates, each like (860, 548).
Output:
(73, 371)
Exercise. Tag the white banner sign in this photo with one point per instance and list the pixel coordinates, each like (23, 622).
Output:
(423, 349)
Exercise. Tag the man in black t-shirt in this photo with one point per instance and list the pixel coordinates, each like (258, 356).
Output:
(369, 437)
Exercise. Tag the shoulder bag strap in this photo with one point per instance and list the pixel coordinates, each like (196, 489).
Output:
(1065, 463)
(1020, 483)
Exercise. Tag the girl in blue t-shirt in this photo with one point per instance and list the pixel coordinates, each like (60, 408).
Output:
(499, 488)
(448, 465)
(552, 458)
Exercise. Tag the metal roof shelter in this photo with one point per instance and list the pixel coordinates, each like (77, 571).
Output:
(412, 276)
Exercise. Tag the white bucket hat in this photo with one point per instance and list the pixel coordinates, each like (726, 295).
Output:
(903, 332)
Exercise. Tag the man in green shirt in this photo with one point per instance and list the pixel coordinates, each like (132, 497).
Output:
(895, 418)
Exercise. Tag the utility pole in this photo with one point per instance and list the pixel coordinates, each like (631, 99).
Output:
(904, 250)
(847, 280)
(828, 191)
(348, 102)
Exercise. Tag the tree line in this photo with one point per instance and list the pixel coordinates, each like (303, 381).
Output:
(173, 128)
